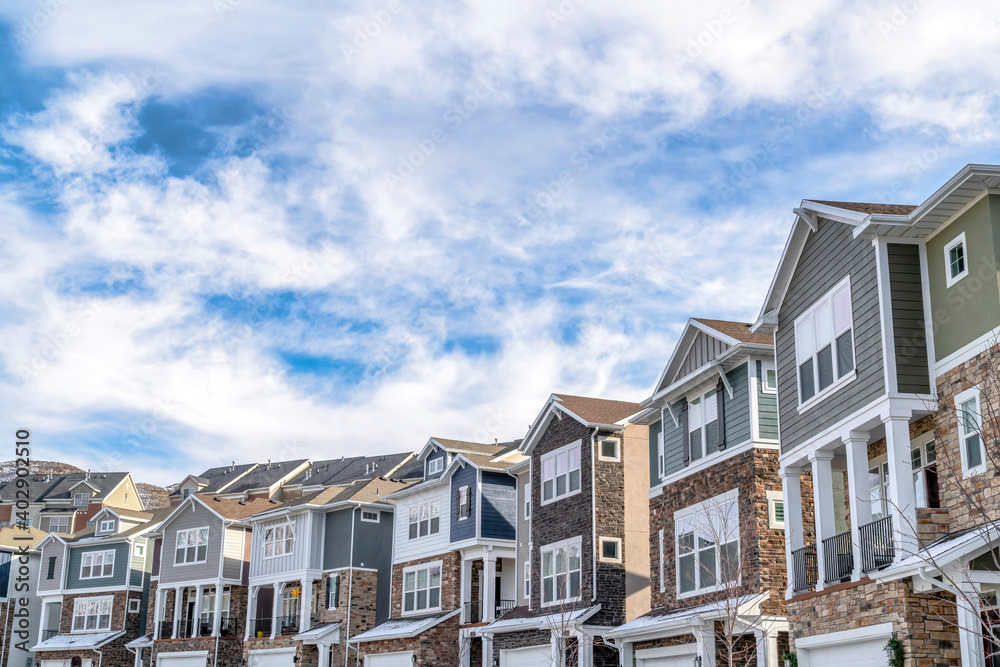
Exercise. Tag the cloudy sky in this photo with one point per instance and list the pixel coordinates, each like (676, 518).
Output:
(234, 229)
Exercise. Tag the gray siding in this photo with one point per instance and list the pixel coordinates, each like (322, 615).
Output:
(297, 560)
(738, 427)
(523, 533)
(499, 506)
(464, 530)
(654, 453)
(908, 318)
(371, 549)
(673, 442)
(189, 517)
(337, 551)
(120, 577)
(51, 550)
(828, 255)
(767, 408)
(703, 350)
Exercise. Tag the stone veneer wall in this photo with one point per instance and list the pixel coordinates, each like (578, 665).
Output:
(437, 647)
(451, 575)
(113, 654)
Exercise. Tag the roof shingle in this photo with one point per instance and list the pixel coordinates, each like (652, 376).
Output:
(870, 208)
(738, 330)
(598, 410)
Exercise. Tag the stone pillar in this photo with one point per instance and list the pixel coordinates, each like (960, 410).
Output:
(585, 650)
(178, 603)
(791, 489)
(305, 600)
(199, 593)
(276, 609)
(217, 611)
(970, 628)
(251, 606)
(704, 636)
(902, 497)
(467, 592)
(489, 587)
(859, 493)
(822, 478)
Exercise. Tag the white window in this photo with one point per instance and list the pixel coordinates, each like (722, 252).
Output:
(956, 263)
(139, 550)
(133, 605)
(768, 377)
(370, 516)
(208, 604)
(464, 503)
(192, 546)
(186, 493)
(59, 524)
(279, 540)
(970, 435)
(775, 510)
(425, 519)
(561, 572)
(107, 526)
(659, 450)
(333, 591)
(422, 588)
(561, 473)
(527, 579)
(925, 478)
(878, 485)
(824, 344)
(97, 564)
(435, 466)
(608, 450)
(92, 614)
(81, 499)
(610, 549)
(703, 424)
(707, 542)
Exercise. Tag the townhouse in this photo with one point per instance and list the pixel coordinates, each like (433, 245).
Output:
(19, 553)
(716, 531)
(240, 482)
(886, 321)
(65, 503)
(91, 588)
(583, 536)
(454, 565)
(320, 573)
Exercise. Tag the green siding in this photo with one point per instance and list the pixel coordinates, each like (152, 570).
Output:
(971, 307)
(767, 408)
(738, 427)
(122, 569)
(654, 453)
(908, 331)
(673, 442)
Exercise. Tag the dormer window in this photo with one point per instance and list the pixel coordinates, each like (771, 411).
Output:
(434, 466)
(81, 499)
(106, 526)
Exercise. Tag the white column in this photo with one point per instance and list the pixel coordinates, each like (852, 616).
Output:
(251, 607)
(772, 650)
(276, 609)
(157, 612)
(970, 628)
(324, 655)
(178, 603)
(305, 605)
(44, 625)
(489, 587)
(859, 493)
(625, 655)
(217, 612)
(704, 636)
(487, 650)
(557, 654)
(791, 490)
(822, 479)
(902, 497)
(466, 592)
(196, 621)
(585, 650)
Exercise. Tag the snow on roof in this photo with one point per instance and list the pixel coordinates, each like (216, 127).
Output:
(403, 628)
(514, 622)
(90, 640)
(659, 620)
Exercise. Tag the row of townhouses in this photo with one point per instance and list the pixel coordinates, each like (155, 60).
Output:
(818, 487)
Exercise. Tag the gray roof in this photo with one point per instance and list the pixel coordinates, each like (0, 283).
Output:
(264, 475)
(60, 486)
(347, 470)
(216, 478)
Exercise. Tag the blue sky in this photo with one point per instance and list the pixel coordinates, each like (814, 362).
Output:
(251, 230)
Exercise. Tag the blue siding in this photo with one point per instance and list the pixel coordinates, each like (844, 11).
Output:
(5, 560)
(654, 453)
(463, 530)
(499, 506)
(438, 454)
(122, 566)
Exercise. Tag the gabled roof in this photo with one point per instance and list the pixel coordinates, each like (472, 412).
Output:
(227, 509)
(41, 488)
(124, 513)
(89, 533)
(662, 622)
(591, 412)
(263, 476)
(214, 480)
(347, 470)
(461, 446)
(13, 537)
(870, 220)
(370, 492)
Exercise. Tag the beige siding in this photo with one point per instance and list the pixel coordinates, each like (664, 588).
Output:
(126, 495)
(52, 549)
(636, 547)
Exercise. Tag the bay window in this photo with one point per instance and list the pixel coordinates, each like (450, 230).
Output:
(824, 343)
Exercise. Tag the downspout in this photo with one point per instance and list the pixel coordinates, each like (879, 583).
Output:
(593, 510)
(100, 656)
(350, 597)
(922, 574)
(218, 591)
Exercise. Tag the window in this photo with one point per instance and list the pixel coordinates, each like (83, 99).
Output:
(703, 424)
(464, 503)
(332, 591)
(707, 541)
(768, 378)
(527, 504)
(133, 605)
(370, 516)
(609, 450)
(561, 572)
(139, 550)
(824, 344)
(878, 483)
(59, 524)
(422, 588)
(186, 493)
(435, 466)
(107, 526)
(425, 519)
(278, 540)
(611, 549)
(955, 260)
(208, 605)
(97, 564)
(527, 579)
(561, 473)
(659, 449)
(970, 432)
(775, 510)
(81, 499)
(925, 477)
(92, 614)
(192, 546)
(51, 572)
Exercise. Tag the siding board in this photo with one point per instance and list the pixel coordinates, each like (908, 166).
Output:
(499, 506)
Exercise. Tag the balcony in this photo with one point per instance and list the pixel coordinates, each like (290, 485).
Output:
(288, 625)
(50, 633)
(877, 551)
(838, 558)
(228, 626)
(804, 565)
(185, 629)
(166, 629)
(473, 612)
(261, 626)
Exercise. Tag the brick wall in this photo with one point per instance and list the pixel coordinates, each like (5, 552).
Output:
(609, 484)
(230, 649)
(437, 647)
(451, 581)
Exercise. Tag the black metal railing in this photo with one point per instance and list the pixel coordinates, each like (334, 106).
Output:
(228, 626)
(875, 539)
(166, 629)
(185, 628)
(261, 627)
(473, 611)
(288, 625)
(49, 634)
(503, 606)
(838, 558)
(804, 566)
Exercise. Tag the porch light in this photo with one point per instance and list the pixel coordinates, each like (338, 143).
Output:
(788, 662)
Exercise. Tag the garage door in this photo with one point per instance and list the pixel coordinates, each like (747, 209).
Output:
(533, 656)
(867, 653)
(182, 659)
(404, 659)
(676, 661)
(673, 656)
(275, 657)
(87, 662)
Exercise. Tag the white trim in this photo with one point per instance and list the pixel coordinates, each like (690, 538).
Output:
(377, 519)
(138, 605)
(104, 554)
(416, 568)
(765, 365)
(703, 463)
(820, 394)
(191, 562)
(772, 498)
(966, 352)
(408, 654)
(698, 508)
(958, 240)
(925, 294)
(600, 549)
(966, 395)
(552, 455)
(192, 654)
(845, 636)
(618, 450)
(561, 544)
(886, 329)
(98, 599)
(663, 584)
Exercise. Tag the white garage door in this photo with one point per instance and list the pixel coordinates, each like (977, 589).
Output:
(867, 653)
(87, 662)
(182, 659)
(404, 659)
(673, 656)
(275, 657)
(676, 661)
(533, 656)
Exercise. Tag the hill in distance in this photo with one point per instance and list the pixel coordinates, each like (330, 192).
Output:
(153, 496)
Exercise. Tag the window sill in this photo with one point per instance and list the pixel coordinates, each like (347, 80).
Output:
(950, 282)
(418, 612)
(969, 474)
(832, 389)
(555, 603)
(563, 497)
(710, 589)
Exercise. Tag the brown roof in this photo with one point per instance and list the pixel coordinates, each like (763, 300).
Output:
(231, 508)
(483, 461)
(14, 537)
(464, 445)
(130, 513)
(371, 491)
(864, 207)
(598, 410)
(738, 330)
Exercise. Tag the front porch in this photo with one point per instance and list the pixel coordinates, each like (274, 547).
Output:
(189, 612)
(489, 584)
(284, 608)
